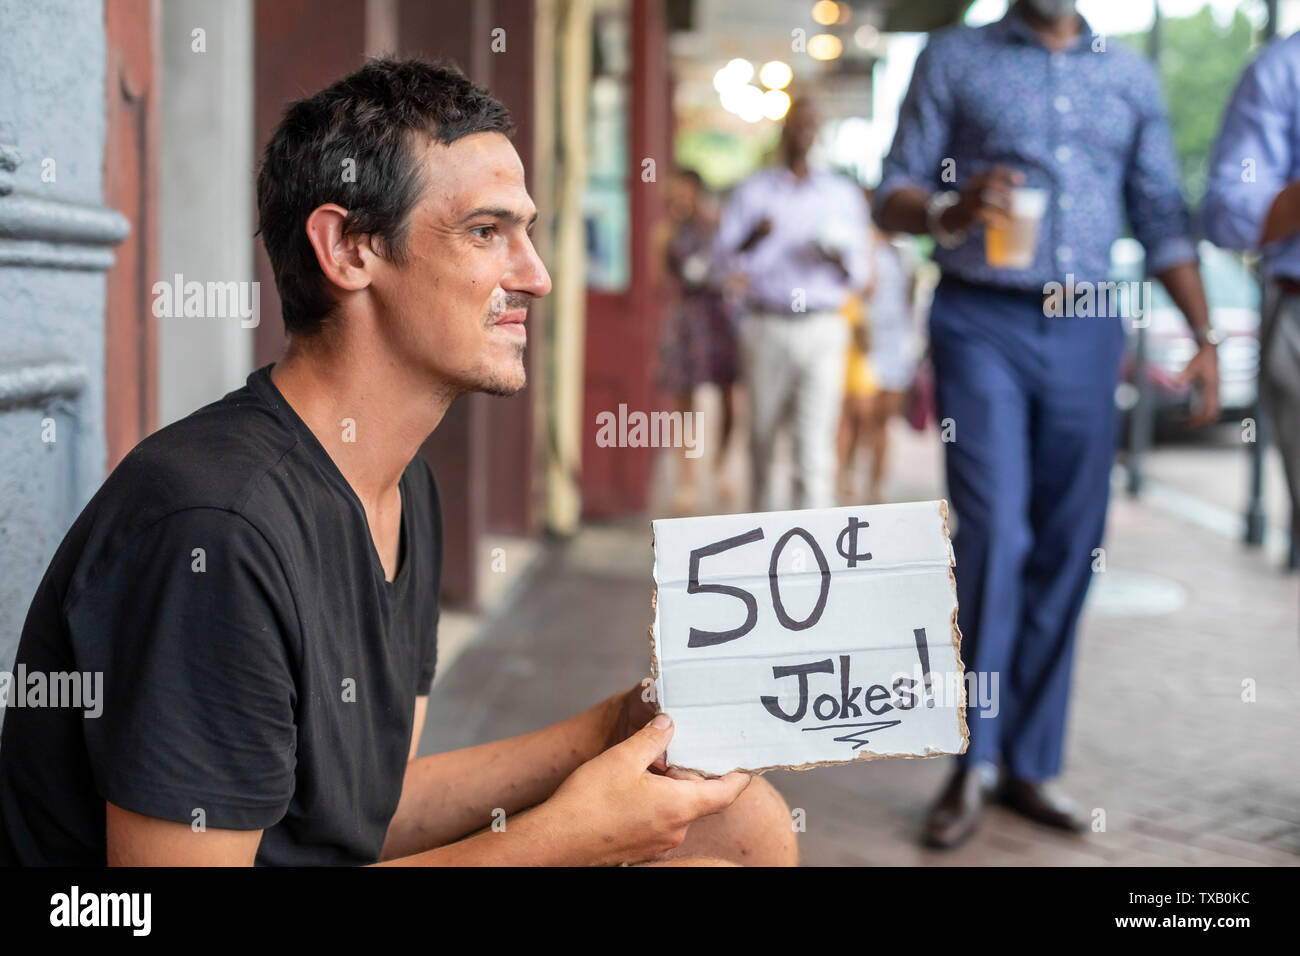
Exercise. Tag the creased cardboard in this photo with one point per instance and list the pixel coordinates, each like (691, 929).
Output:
(798, 639)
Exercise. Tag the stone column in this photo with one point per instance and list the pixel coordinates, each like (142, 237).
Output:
(56, 240)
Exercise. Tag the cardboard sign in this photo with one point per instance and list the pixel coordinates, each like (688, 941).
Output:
(796, 639)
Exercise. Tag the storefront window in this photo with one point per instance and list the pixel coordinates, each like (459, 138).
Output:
(606, 203)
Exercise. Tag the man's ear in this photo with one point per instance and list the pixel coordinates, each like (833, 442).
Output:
(344, 259)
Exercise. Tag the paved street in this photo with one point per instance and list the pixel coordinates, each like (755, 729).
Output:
(1159, 738)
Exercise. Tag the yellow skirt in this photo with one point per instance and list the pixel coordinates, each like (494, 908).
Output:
(859, 377)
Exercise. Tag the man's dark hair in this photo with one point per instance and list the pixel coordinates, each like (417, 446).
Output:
(691, 176)
(378, 117)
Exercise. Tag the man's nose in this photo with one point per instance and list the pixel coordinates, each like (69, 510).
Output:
(528, 273)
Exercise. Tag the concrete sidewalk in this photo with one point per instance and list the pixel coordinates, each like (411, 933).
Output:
(1159, 737)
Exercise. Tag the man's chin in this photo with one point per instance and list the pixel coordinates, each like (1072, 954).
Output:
(504, 388)
(505, 381)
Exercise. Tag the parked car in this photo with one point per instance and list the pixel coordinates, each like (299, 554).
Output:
(1234, 299)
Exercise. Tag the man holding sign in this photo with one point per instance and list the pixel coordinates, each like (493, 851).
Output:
(259, 591)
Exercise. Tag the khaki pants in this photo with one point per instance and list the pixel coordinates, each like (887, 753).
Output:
(793, 370)
(1279, 382)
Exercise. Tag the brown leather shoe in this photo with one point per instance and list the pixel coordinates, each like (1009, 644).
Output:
(958, 811)
(1044, 804)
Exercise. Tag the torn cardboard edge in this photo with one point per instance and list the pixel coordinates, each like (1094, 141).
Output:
(955, 635)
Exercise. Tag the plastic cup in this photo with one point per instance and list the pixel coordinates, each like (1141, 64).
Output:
(1012, 246)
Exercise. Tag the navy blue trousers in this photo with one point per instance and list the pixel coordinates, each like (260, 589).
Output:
(1028, 401)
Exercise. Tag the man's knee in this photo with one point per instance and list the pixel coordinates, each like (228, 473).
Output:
(763, 825)
(691, 861)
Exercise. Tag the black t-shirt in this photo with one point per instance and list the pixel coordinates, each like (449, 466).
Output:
(258, 671)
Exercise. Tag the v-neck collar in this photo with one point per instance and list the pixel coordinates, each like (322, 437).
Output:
(260, 382)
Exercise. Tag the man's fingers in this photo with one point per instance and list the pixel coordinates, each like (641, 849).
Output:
(992, 216)
(1204, 377)
(1209, 409)
(1005, 177)
(713, 795)
(997, 198)
(993, 189)
(645, 746)
(722, 792)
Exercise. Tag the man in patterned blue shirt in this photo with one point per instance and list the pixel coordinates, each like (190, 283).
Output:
(1025, 389)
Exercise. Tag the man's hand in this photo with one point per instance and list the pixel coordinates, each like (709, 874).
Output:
(985, 200)
(1283, 219)
(1202, 373)
(633, 711)
(832, 256)
(611, 810)
(1183, 283)
(760, 231)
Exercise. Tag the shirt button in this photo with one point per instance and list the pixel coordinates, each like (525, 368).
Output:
(1063, 154)
(1062, 104)
(1064, 253)
(1066, 202)
(1058, 60)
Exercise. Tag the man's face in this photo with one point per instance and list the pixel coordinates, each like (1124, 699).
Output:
(456, 306)
(801, 125)
(1051, 10)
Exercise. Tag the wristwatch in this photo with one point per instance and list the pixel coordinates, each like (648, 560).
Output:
(935, 206)
(1207, 336)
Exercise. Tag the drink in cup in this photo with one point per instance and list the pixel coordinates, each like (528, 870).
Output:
(1012, 246)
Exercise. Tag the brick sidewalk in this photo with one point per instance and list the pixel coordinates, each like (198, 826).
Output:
(1159, 737)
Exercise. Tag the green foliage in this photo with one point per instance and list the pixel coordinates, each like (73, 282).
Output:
(1200, 63)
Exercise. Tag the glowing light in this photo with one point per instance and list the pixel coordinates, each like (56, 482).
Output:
(826, 12)
(825, 46)
(776, 103)
(736, 73)
(866, 36)
(745, 101)
(775, 75)
(741, 69)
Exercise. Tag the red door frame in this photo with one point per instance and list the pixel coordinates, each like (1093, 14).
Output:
(623, 327)
(131, 187)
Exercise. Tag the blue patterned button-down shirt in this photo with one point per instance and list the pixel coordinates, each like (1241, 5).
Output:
(1087, 124)
(1256, 156)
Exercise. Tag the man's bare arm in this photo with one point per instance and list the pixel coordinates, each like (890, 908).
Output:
(609, 810)
(136, 840)
(417, 726)
(446, 796)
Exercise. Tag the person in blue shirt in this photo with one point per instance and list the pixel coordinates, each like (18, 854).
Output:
(1025, 389)
(1252, 201)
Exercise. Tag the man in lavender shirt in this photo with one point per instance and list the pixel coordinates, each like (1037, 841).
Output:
(798, 237)
(1252, 201)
